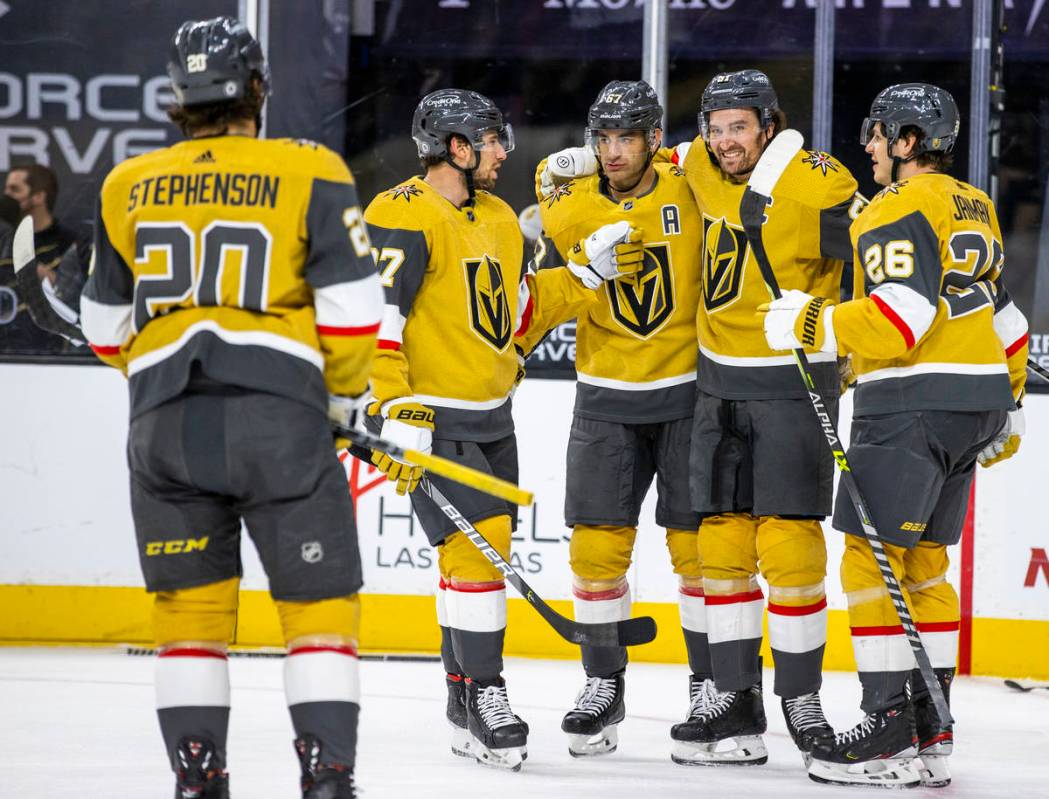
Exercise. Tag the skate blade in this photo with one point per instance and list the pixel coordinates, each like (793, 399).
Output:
(746, 750)
(887, 773)
(602, 743)
(509, 759)
(460, 741)
(933, 770)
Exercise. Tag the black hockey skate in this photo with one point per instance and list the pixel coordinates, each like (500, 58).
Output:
(320, 780)
(722, 728)
(456, 713)
(497, 736)
(806, 723)
(591, 724)
(200, 774)
(935, 739)
(879, 751)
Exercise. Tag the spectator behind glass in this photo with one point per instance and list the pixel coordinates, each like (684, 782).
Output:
(34, 189)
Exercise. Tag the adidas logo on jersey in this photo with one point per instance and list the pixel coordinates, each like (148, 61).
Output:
(204, 158)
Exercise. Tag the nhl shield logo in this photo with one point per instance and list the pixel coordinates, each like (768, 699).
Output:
(489, 307)
(642, 303)
(724, 257)
(312, 552)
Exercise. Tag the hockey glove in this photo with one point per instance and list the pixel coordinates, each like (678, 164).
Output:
(520, 369)
(348, 413)
(408, 426)
(565, 165)
(799, 320)
(1007, 442)
(846, 377)
(609, 252)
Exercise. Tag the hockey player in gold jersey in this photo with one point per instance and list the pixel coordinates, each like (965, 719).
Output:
(939, 353)
(450, 256)
(636, 376)
(759, 474)
(233, 284)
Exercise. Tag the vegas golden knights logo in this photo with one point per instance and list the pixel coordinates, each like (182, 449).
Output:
(724, 254)
(643, 302)
(489, 309)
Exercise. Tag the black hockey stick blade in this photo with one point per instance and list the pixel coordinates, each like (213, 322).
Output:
(628, 632)
(31, 291)
(1025, 688)
(1038, 369)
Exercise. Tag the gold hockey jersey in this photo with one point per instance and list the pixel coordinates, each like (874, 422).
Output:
(807, 240)
(247, 257)
(635, 346)
(932, 327)
(456, 293)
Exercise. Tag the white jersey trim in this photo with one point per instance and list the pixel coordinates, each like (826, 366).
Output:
(105, 325)
(459, 404)
(1010, 324)
(624, 385)
(770, 360)
(392, 327)
(355, 303)
(894, 372)
(913, 309)
(254, 338)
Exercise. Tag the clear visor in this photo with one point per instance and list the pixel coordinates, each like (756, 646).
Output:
(595, 137)
(867, 130)
(487, 139)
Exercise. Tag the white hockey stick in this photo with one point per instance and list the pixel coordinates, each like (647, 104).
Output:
(42, 309)
(757, 199)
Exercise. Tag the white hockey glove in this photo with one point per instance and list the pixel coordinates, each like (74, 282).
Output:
(799, 320)
(1007, 442)
(347, 413)
(565, 165)
(408, 425)
(609, 252)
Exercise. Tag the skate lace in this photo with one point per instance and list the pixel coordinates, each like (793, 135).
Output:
(494, 707)
(805, 711)
(864, 728)
(597, 696)
(708, 702)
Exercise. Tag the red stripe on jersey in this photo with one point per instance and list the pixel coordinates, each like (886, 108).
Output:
(331, 330)
(797, 610)
(477, 588)
(600, 596)
(191, 652)
(526, 318)
(1016, 346)
(102, 351)
(442, 584)
(387, 344)
(938, 626)
(896, 320)
(690, 590)
(338, 649)
(674, 158)
(892, 629)
(731, 599)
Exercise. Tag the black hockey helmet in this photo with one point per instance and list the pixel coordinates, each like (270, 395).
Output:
(445, 112)
(929, 108)
(748, 88)
(624, 105)
(215, 60)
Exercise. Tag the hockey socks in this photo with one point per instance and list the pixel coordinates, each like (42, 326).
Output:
(322, 686)
(602, 604)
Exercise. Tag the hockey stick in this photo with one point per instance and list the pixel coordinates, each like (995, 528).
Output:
(1038, 369)
(363, 441)
(628, 632)
(1025, 688)
(42, 312)
(756, 199)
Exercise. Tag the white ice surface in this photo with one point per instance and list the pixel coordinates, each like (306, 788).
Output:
(77, 722)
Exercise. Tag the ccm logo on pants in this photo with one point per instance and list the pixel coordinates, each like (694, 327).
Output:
(177, 546)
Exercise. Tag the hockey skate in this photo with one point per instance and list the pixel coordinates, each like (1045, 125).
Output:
(591, 724)
(321, 781)
(879, 751)
(456, 713)
(199, 775)
(722, 728)
(806, 723)
(497, 737)
(935, 740)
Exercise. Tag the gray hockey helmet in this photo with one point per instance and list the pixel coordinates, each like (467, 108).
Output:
(748, 88)
(929, 108)
(445, 112)
(215, 60)
(624, 105)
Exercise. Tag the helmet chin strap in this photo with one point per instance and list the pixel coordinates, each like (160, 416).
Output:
(896, 161)
(468, 174)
